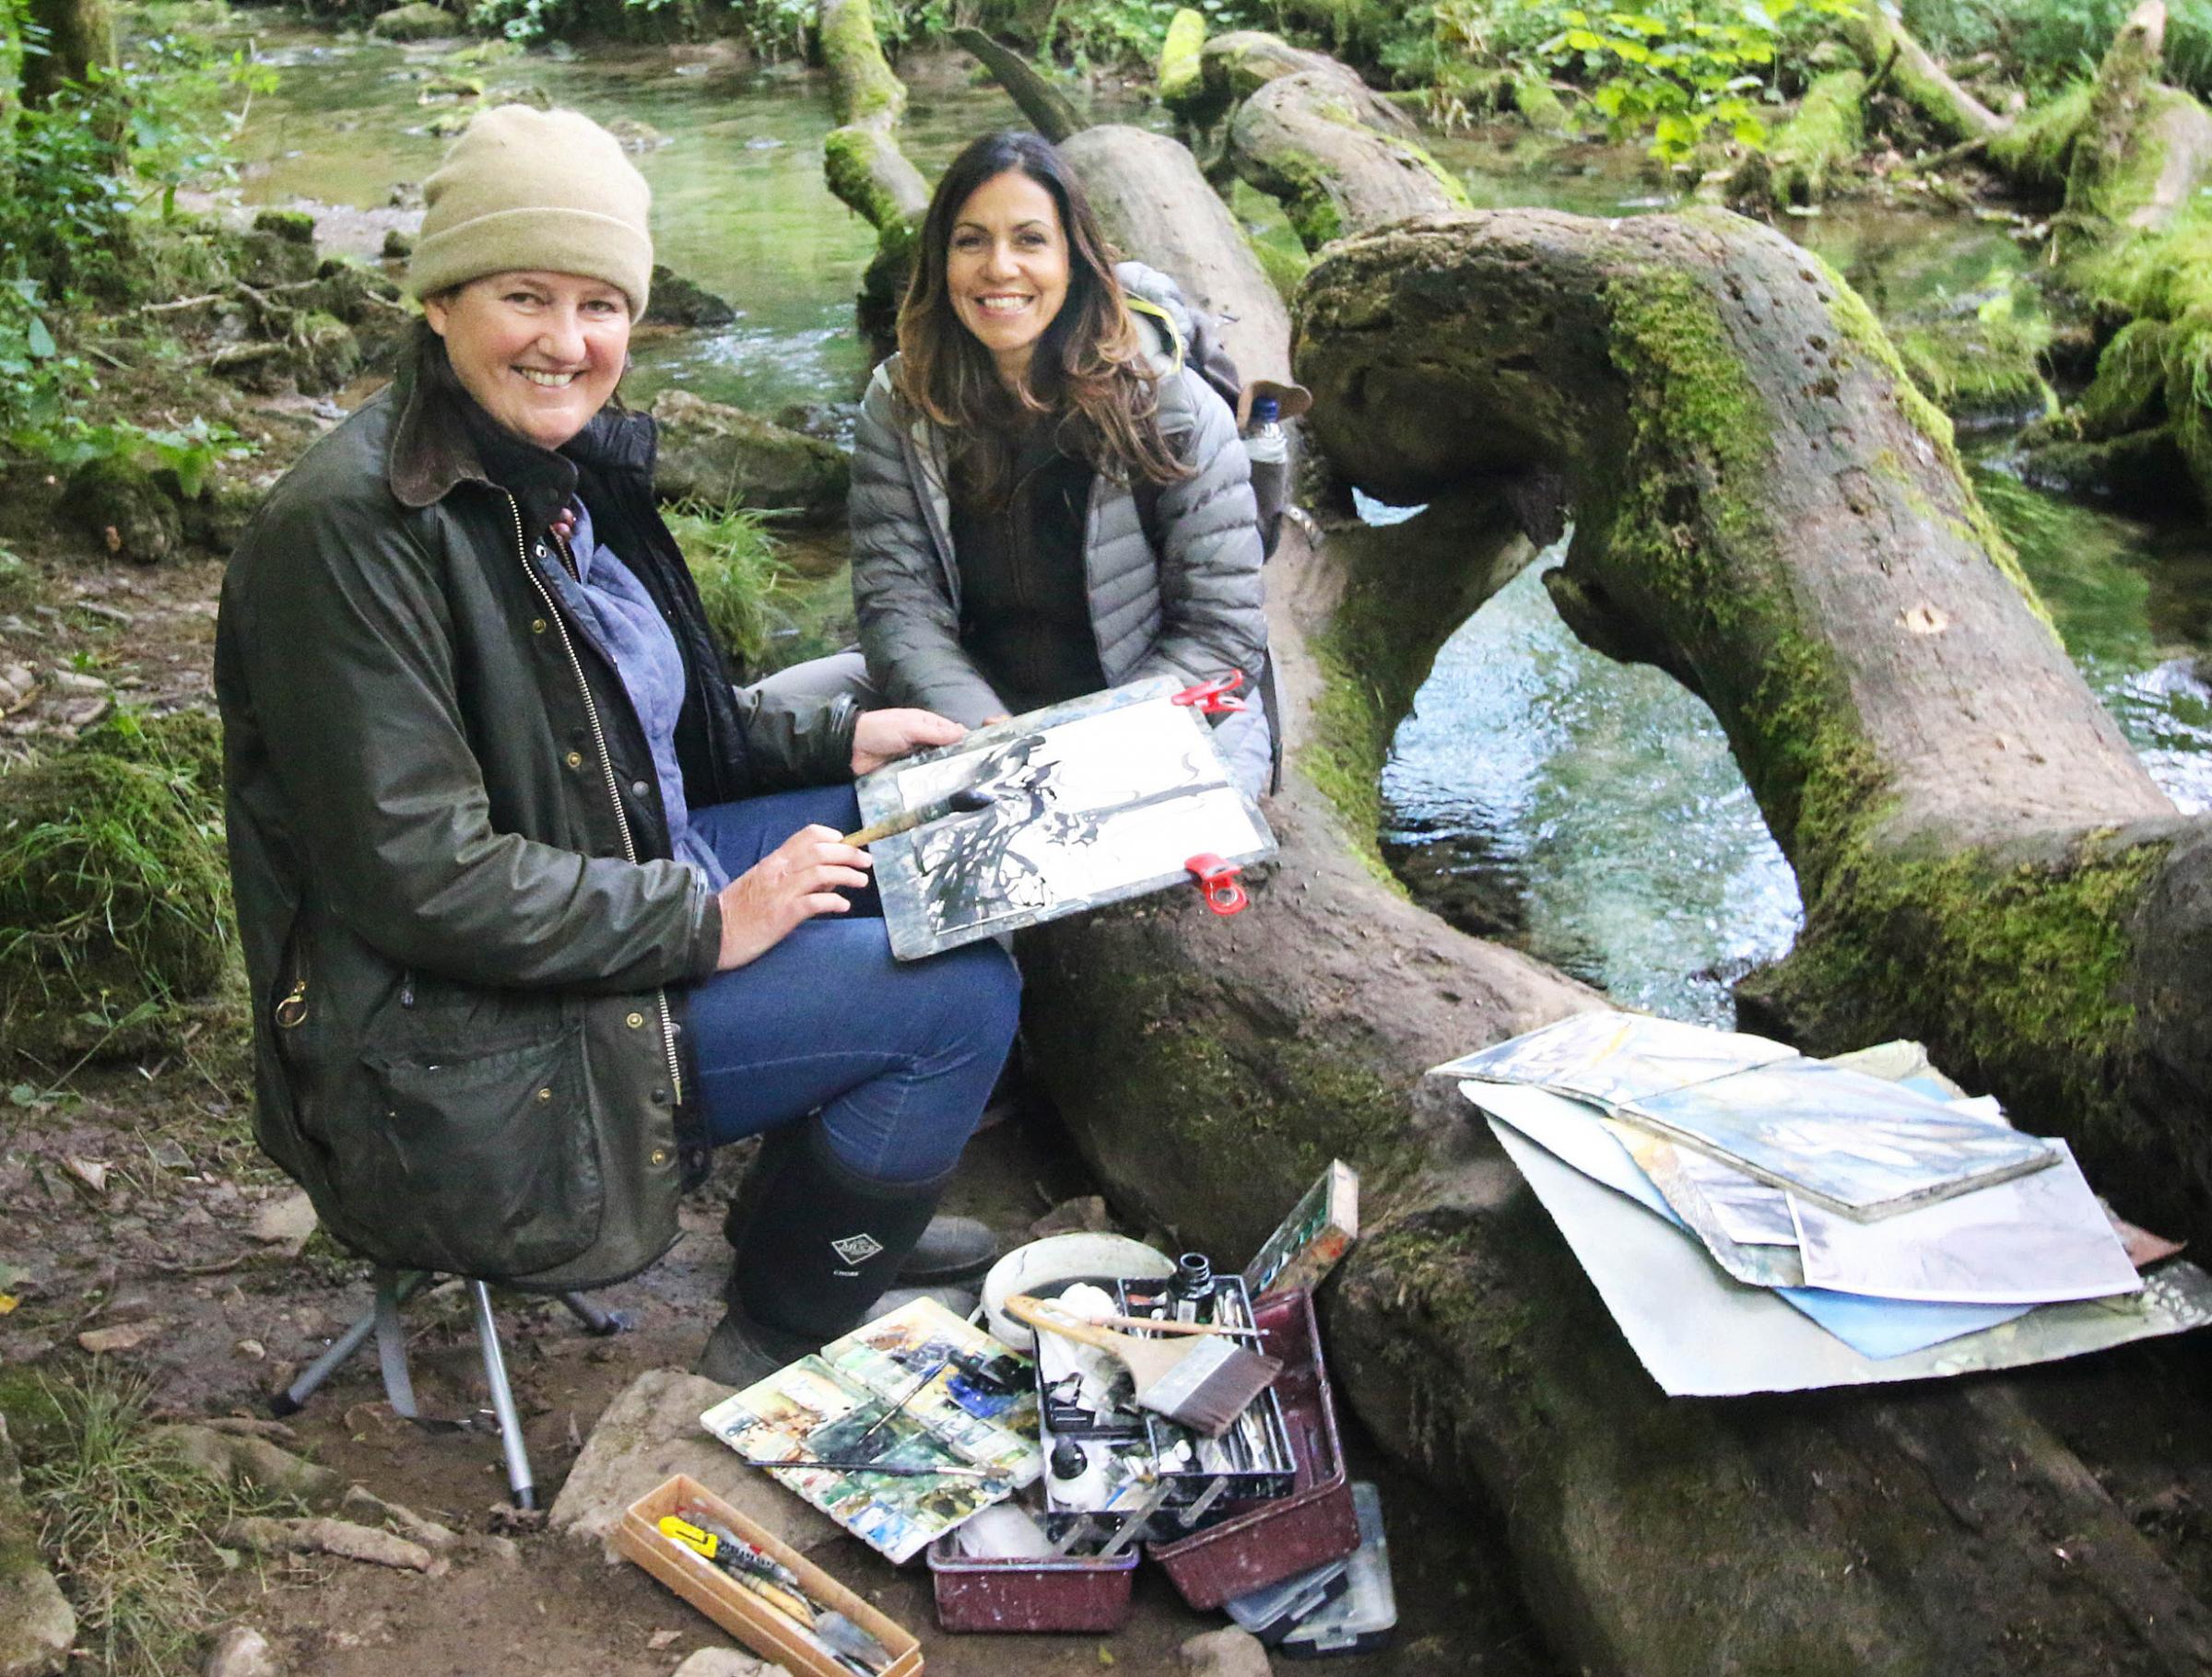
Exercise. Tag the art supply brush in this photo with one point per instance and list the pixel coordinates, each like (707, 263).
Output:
(1167, 1324)
(914, 1391)
(892, 1470)
(1201, 1383)
(1006, 773)
(780, 1587)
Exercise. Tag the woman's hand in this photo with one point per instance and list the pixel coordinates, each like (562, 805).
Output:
(798, 880)
(884, 735)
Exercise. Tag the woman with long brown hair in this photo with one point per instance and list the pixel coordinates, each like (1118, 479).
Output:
(1045, 502)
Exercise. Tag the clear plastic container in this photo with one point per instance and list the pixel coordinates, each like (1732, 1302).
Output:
(1362, 1619)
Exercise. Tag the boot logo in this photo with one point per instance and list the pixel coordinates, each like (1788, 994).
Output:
(857, 1248)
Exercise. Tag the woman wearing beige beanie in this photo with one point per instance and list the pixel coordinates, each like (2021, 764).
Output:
(537, 905)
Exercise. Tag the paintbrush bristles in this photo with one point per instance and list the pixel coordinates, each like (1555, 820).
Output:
(1209, 1389)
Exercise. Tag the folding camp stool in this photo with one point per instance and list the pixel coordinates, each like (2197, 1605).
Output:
(393, 1288)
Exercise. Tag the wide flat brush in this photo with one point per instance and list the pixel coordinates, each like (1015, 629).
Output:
(1201, 1383)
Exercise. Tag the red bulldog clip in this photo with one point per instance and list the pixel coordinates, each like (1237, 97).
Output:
(1217, 882)
(1211, 698)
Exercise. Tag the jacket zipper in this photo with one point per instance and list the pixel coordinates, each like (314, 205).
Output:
(606, 770)
(291, 1010)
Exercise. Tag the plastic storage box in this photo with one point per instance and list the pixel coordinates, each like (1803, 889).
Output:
(1360, 1621)
(1264, 1542)
(1050, 1593)
(1271, 1614)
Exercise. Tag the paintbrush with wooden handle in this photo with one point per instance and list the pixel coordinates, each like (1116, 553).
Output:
(1203, 1383)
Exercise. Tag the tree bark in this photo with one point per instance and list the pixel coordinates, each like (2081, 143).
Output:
(862, 161)
(1047, 109)
(1756, 487)
(1208, 1068)
(80, 38)
(1304, 139)
(1234, 66)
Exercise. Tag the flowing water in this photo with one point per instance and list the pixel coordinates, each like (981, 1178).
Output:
(1589, 809)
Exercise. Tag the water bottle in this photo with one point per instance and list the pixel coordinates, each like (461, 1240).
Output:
(1268, 449)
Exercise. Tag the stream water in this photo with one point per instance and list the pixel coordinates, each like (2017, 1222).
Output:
(1589, 809)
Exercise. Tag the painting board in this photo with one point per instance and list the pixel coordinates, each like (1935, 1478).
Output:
(1104, 798)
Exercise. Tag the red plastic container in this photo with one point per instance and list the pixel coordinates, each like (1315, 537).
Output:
(1264, 1542)
(1066, 1593)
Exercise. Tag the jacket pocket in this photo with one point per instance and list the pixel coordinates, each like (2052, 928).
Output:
(485, 1164)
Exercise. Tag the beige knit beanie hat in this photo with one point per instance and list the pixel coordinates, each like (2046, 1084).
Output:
(523, 188)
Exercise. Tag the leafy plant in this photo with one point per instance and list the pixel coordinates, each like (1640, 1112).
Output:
(1675, 69)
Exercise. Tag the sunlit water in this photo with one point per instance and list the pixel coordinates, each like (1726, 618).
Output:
(1593, 806)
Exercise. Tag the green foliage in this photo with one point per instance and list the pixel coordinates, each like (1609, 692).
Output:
(130, 1525)
(1677, 69)
(2045, 43)
(762, 611)
(114, 897)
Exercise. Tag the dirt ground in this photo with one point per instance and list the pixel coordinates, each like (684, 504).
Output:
(166, 1246)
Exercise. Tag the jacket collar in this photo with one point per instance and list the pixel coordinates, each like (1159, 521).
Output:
(443, 439)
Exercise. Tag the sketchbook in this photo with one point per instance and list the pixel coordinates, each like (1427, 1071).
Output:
(1060, 811)
(954, 1398)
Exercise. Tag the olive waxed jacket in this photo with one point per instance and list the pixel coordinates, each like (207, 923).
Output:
(460, 922)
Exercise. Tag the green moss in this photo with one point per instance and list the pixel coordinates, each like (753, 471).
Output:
(1541, 108)
(1826, 134)
(2129, 392)
(2037, 150)
(1285, 263)
(848, 166)
(113, 892)
(862, 84)
(1182, 81)
(1980, 368)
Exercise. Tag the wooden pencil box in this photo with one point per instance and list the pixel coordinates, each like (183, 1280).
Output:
(744, 1614)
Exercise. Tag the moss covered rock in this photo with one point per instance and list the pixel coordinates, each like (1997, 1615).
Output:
(125, 510)
(1981, 372)
(726, 457)
(37, 1625)
(418, 22)
(115, 900)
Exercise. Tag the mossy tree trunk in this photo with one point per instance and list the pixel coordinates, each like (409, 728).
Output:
(1765, 508)
(1824, 136)
(1209, 1067)
(1235, 65)
(862, 161)
(2142, 148)
(81, 39)
(1888, 49)
(1305, 139)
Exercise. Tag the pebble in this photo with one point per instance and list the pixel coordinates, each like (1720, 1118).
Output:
(241, 1651)
(15, 682)
(75, 681)
(125, 1336)
(1227, 1652)
(725, 1662)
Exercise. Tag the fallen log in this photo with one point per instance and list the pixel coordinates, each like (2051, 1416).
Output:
(1047, 109)
(861, 160)
(1233, 66)
(1207, 1067)
(1888, 52)
(2142, 147)
(1304, 140)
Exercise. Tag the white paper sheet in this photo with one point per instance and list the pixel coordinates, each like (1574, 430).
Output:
(2032, 1240)
(1701, 1334)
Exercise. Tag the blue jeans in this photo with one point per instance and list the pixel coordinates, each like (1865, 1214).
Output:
(898, 1055)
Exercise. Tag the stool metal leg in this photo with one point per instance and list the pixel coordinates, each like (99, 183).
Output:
(519, 1481)
(289, 1401)
(595, 1321)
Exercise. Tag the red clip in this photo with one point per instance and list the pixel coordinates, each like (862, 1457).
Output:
(1211, 698)
(1217, 882)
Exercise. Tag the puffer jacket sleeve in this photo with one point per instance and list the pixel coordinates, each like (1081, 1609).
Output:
(346, 641)
(1211, 618)
(909, 626)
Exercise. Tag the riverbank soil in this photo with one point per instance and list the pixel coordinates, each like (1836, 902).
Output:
(166, 1246)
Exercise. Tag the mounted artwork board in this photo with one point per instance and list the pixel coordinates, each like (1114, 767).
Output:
(1100, 798)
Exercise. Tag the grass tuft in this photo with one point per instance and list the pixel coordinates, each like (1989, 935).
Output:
(114, 897)
(128, 1525)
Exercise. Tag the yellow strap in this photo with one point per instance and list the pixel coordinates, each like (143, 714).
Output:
(1146, 306)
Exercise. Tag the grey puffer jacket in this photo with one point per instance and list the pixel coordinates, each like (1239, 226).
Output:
(1190, 610)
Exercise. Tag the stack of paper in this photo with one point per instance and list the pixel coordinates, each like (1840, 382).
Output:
(1841, 1225)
